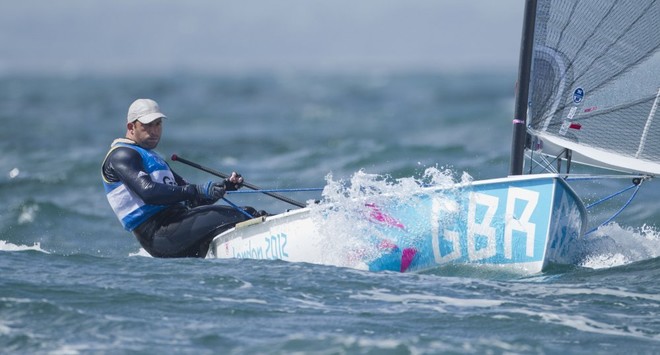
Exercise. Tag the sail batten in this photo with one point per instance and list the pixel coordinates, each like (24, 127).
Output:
(648, 125)
(594, 81)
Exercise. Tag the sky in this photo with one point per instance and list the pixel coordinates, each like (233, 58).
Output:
(123, 36)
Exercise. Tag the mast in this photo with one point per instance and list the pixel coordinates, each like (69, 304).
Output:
(522, 90)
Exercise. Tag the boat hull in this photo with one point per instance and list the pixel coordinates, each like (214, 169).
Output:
(520, 224)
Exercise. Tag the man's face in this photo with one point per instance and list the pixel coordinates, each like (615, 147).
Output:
(146, 135)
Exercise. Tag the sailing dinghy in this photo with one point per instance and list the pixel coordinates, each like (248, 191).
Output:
(588, 93)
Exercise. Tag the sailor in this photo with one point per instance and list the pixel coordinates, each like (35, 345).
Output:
(167, 215)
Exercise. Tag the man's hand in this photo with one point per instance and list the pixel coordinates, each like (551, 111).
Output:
(210, 192)
(234, 182)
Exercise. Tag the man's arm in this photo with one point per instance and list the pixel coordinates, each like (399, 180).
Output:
(125, 164)
(179, 180)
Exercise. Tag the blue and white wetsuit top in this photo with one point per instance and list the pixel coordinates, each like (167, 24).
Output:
(129, 207)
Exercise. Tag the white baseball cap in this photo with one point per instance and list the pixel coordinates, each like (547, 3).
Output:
(144, 110)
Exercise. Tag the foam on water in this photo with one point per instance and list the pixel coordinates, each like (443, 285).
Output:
(586, 324)
(435, 302)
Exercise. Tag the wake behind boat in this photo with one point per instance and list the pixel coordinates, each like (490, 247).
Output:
(588, 93)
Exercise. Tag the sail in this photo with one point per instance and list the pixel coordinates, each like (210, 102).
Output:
(595, 82)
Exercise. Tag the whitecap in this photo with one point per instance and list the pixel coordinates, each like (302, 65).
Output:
(6, 246)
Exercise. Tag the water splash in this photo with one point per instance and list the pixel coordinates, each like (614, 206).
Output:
(614, 245)
(28, 214)
(356, 224)
(141, 252)
(363, 184)
(13, 173)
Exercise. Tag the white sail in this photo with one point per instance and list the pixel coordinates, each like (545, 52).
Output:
(595, 82)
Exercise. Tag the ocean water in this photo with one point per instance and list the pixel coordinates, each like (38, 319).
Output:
(73, 281)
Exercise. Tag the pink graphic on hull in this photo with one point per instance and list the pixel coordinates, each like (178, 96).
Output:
(387, 244)
(407, 258)
(378, 215)
(407, 255)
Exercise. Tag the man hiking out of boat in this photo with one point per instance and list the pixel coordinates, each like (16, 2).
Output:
(167, 215)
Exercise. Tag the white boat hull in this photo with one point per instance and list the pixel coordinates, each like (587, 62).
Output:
(519, 224)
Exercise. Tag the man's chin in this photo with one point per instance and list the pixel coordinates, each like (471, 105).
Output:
(149, 145)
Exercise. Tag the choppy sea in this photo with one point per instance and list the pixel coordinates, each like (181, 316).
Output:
(73, 281)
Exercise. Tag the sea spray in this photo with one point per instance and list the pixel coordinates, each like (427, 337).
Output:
(358, 216)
